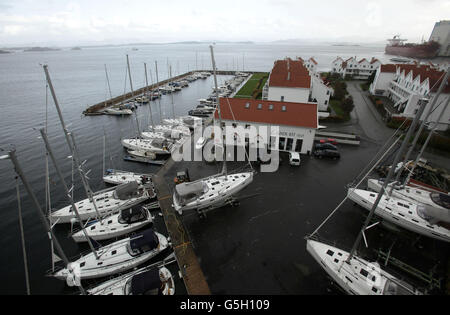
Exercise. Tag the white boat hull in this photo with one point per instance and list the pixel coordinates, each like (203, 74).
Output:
(399, 212)
(221, 195)
(110, 263)
(109, 228)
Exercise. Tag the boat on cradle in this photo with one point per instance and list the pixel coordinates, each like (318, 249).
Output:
(155, 281)
(116, 225)
(357, 276)
(156, 146)
(116, 177)
(108, 201)
(119, 256)
(118, 111)
(418, 218)
(439, 201)
(209, 193)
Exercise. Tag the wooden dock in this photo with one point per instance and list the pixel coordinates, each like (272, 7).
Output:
(97, 108)
(188, 264)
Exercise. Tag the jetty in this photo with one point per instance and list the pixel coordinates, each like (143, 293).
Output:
(97, 109)
(191, 272)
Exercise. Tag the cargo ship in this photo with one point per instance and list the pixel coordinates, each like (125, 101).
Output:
(425, 50)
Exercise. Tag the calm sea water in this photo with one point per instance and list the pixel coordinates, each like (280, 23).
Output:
(79, 80)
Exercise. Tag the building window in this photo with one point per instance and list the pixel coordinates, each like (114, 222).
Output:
(328, 92)
(247, 105)
(271, 107)
(247, 126)
(282, 98)
(234, 125)
(259, 106)
(326, 102)
(298, 145)
(282, 143)
(283, 108)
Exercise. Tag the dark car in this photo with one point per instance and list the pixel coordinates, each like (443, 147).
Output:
(325, 146)
(332, 154)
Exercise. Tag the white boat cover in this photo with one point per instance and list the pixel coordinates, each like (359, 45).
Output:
(127, 191)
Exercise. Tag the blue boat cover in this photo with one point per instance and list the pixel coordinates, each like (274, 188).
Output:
(144, 241)
(145, 282)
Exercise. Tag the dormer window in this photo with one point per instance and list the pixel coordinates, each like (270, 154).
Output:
(283, 108)
(259, 106)
(270, 106)
(247, 105)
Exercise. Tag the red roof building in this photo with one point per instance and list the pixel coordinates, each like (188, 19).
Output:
(269, 112)
(290, 73)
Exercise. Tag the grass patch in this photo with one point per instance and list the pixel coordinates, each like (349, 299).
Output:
(253, 87)
(340, 113)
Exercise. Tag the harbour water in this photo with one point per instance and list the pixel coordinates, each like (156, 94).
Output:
(79, 80)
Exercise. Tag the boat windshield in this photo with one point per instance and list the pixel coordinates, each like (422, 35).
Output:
(129, 216)
(442, 200)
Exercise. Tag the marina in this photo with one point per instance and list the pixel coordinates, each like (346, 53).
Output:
(225, 247)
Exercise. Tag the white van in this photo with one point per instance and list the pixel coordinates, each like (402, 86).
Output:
(294, 158)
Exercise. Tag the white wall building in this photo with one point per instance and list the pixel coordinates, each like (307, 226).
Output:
(297, 81)
(361, 69)
(407, 84)
(297, 122)
(441, 34)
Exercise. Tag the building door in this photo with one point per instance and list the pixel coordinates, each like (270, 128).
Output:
(299, 145)
(289, 144)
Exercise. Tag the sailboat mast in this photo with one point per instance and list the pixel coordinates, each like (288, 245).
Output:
(129, 76)
(52, 236)
(411, 130)
(386, 182)
(224, 170)
(66, 190)
(150, 104)
(422, 150)
(171, 94)
(419, 132)
(22, 235)
(71, 144)
(107, 80)
(157, 84)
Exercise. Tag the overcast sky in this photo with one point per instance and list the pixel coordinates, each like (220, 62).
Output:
(64, 22)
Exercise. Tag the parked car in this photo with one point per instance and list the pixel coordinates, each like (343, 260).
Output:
(327, 154)
(328, 140)
(294, 158)
(325, 146)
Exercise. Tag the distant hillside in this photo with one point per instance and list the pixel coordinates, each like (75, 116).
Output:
(35, 49)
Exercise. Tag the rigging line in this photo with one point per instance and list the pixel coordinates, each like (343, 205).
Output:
(346, 197)
(382, 149)
(234, 119)
(24, 250)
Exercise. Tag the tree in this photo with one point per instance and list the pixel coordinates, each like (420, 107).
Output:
(347, 104)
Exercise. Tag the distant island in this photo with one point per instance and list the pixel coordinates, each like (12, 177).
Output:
(76, 48)
(36, 49)
(4, 52)
(346, 45)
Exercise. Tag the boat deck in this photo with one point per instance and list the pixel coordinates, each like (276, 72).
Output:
(193, 276)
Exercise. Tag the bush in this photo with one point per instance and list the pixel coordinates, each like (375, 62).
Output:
(348, 105)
